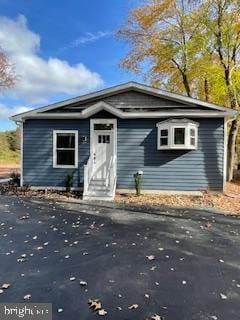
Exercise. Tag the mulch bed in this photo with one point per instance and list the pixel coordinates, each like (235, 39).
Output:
(228, 201)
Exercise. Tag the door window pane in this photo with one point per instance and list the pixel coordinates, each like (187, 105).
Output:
(103, 138)
(107, 139)
(103, 126)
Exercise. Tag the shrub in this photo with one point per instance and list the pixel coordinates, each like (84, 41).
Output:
(69, 182)
(138, 182)
(15, 178)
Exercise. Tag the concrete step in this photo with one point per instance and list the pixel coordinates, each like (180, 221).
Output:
(98, 188)
(98, 182)
(98, 193)
(96, 198)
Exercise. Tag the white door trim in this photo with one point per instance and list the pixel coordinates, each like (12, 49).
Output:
(97, 121)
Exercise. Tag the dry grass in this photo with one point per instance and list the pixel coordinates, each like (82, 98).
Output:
(228, 201)
(6, 170)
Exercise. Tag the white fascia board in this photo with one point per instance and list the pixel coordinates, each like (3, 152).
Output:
(100, 106)
(123, 115)
(104, 92)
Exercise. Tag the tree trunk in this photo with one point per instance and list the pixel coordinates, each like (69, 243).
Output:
(206, 90)
(232, 138)
(231, 148)
(186, 84)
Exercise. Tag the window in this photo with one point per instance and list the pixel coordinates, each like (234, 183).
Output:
(65, 149)
(164, 137)
(103, 138)
(192, 136)
(103, 126)
(177, 134)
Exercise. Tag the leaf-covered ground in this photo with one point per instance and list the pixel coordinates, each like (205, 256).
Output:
(94, 262)
(229, 201)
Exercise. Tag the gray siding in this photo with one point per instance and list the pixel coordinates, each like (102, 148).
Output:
(170, 170)
(136, 150)
(130, 99)
(38, 152)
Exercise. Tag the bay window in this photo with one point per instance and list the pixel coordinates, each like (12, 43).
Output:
(177, 134)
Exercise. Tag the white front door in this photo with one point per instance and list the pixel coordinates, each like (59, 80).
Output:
(103, 149)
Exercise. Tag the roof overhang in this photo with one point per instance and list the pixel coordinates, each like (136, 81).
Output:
(103, 106)
(45, 112)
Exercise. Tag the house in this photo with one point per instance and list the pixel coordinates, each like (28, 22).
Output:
(103, 138)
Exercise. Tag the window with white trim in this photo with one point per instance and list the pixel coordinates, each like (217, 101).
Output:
(177, 134)
(164, 137)
(65, 148)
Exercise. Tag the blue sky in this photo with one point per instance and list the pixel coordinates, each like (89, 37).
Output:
(61, 49)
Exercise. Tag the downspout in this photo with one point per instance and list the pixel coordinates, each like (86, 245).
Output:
(225, 162)
(20, 125)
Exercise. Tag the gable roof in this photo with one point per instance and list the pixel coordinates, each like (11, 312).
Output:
(45, 112)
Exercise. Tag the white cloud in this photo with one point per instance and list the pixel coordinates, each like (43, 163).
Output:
(87, 38)
(6, 112)
(40, 78)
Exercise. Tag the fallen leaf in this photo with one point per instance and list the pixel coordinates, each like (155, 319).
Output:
(25, 217)
(27, 297)
(5, 286)
(151, 257)
(83, 283)
(102, 312)
(21, 260)
(223, 296)
(95, 304)
(157, 317)
(133, 306)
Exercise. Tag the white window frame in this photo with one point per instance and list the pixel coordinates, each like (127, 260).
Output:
(171, 125)
(55, 165)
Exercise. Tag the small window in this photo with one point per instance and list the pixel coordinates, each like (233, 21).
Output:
(65, 149)
(103, 126)
(192, 136)
(177, 134)
(164, 137)
(103, 138)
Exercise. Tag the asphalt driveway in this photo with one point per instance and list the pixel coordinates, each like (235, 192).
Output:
(179, 264)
